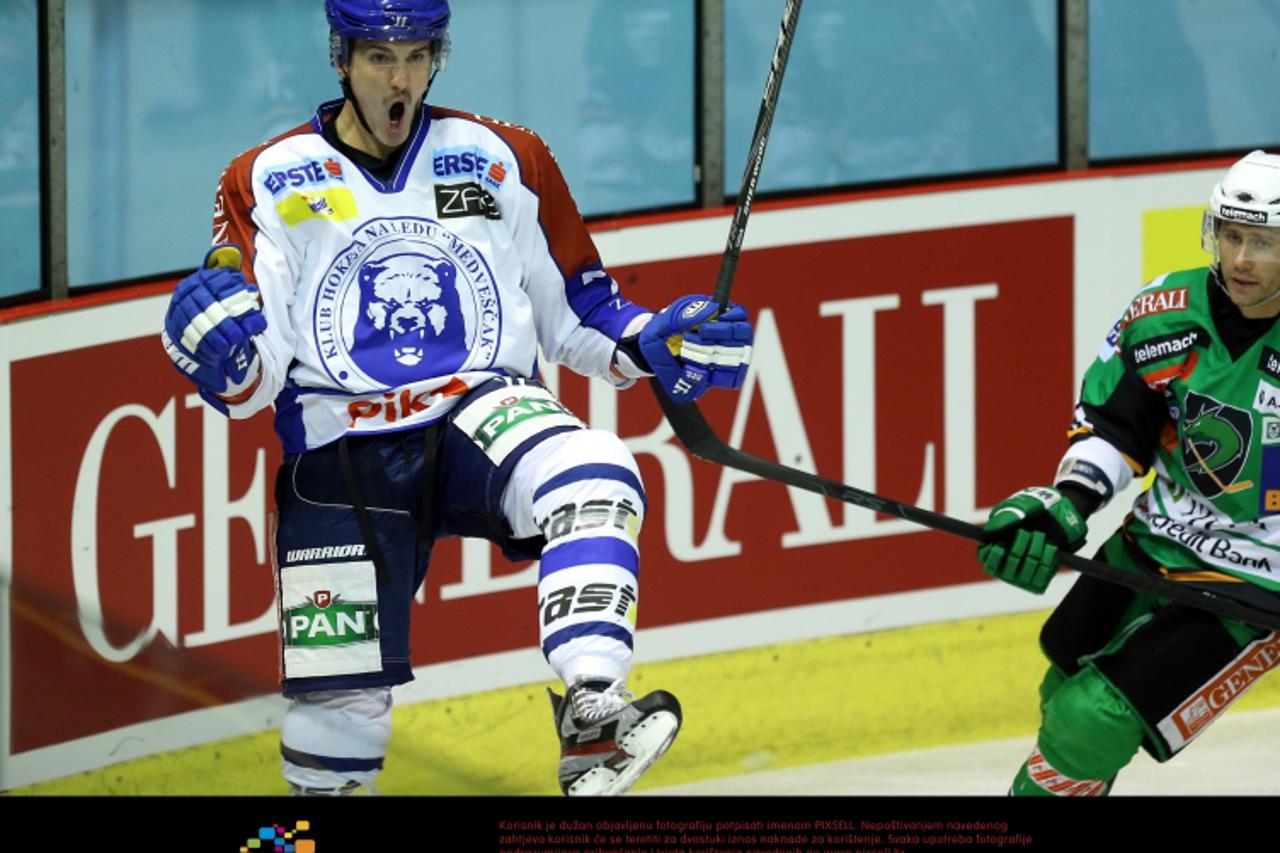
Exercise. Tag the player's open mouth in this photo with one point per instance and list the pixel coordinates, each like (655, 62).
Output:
(395, 115)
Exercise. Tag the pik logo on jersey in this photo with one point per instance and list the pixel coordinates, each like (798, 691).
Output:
(405, 301)
(469, 160)
(1215, 444)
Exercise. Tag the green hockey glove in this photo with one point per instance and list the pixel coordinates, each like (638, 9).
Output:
(1024, 534)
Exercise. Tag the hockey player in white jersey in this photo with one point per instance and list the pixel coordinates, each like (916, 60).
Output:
(402, 264)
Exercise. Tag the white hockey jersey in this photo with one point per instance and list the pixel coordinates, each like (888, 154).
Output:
(385, 301)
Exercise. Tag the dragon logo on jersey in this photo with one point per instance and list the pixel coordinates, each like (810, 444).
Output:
(1215, 444)
(405, 301)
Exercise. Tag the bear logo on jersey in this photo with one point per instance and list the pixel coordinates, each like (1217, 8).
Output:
(406, 300)
(407, 297)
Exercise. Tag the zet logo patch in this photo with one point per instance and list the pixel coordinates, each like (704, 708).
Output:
(1215, 445)
(407, 299)
(277, 839)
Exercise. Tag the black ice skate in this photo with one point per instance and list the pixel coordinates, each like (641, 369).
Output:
(608, 737)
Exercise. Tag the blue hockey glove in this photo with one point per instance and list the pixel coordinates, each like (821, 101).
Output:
(691, 346)
(212, 317)
(1026, 532)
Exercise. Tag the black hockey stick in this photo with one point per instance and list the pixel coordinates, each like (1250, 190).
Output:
(699, 439)
(693, 431)
(755, 156)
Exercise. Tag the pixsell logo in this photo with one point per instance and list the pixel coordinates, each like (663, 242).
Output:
(281, 839)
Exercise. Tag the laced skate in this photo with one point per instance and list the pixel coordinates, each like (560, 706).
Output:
(608, 737)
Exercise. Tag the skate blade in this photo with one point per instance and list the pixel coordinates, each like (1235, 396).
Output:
(646, 742)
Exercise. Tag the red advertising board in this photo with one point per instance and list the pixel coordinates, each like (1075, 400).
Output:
(937, 366)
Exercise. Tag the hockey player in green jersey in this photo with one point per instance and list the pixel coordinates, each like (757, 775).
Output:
(1187, 384)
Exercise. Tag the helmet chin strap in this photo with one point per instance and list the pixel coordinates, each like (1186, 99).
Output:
(1216, 269)
(351, 99)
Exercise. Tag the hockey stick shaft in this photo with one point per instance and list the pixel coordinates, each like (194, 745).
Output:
(755, 156)
(699, 439)
(693, 431)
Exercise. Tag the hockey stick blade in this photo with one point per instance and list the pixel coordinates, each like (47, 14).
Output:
(697, 436)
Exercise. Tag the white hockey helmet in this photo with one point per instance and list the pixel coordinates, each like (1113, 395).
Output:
(1249, 193)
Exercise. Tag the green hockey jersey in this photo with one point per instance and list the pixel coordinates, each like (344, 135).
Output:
(1187, 388)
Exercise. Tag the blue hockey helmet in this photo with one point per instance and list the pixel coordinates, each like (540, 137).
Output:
(388, 20)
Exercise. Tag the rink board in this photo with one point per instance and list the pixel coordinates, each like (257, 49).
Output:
(922, 345)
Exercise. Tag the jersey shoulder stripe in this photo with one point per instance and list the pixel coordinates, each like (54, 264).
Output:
(1169, 300)
(566, 234)
(234, 200)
